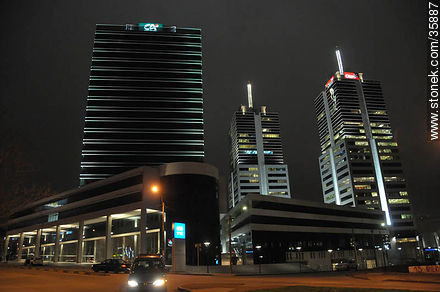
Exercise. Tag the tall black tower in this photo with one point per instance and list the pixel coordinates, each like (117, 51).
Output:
(360, 163)
(144, 103)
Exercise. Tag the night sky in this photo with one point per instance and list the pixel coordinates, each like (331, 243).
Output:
(286, 48)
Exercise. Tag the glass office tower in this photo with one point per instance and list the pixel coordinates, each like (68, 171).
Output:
(360, 163)
(144, 103)
(256, 157)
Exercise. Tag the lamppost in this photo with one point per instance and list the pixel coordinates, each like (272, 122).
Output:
(260, 257)
(198, 246)
(298, 249)
(330, 255)
(207, 243)
(155, 190)
(361, 265)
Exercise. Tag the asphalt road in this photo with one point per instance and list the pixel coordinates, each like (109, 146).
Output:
(15, 279)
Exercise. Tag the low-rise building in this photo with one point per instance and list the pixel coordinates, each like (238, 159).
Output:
(266, 229)
(120, 217)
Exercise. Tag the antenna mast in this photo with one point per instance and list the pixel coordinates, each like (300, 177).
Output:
(338, 57)
(249, 90)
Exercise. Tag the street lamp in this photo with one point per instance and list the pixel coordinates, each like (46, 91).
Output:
(260, 257)
(299, 257)
(155, 190)
(207, 243)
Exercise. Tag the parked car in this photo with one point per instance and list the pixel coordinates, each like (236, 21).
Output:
(148, 272)
(345, 265)
(112, 265)
(34, 261)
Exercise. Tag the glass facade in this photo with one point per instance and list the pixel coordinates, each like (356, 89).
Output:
(144, 103)
(359, 163)
(98, 223)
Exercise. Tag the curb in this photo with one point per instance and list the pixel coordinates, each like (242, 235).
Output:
(67, 271)
(181, 289)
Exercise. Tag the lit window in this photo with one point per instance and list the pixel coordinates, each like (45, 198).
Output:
(247, 146)
(406, 216)
(271, 135)
(243, 140)
(385, 151)
(362, 187)
(266, 130)
(383, 137)
(403, 194)
(364, 179)
(381, 131)
(379, 113)
(330, 197)
(277, 193)
(354, 123)
(344, 182)
(387, 143)
(361, 143)
(398, 201)
(393, 178)
(243, 135)
(276, 169)
(355, 137)
(386, 157)
(374, 194)
(248, 174)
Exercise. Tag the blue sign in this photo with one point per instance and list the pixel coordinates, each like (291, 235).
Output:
(179, 230)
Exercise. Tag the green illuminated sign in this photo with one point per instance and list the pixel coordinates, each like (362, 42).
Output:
(150, 26)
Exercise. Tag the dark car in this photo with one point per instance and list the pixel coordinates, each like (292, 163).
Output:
(148, 273)
(112, 265)
(34, 261)
(345, 265)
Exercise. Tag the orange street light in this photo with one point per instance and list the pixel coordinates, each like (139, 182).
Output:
(155, 189)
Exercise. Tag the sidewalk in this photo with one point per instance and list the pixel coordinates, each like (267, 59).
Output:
(74, 268)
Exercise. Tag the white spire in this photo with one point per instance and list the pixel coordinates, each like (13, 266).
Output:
(249, 90)
(338, 57)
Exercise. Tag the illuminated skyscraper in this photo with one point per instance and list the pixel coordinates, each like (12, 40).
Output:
(360, 163)
(256, 157)
(144, 104)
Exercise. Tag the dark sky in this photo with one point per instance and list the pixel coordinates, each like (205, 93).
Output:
(286, 48)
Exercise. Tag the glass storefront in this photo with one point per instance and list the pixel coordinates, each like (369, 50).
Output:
(125, 239)
(12, 252)
(95, 227)
(30, 238)
(68, 242)
(47, 251)
(125, 235)
(153, 245)
(125, 247)
(69, 232)
(48, 235)
(27, 252)
(93, 250)
(68, 252)
(128, 222)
